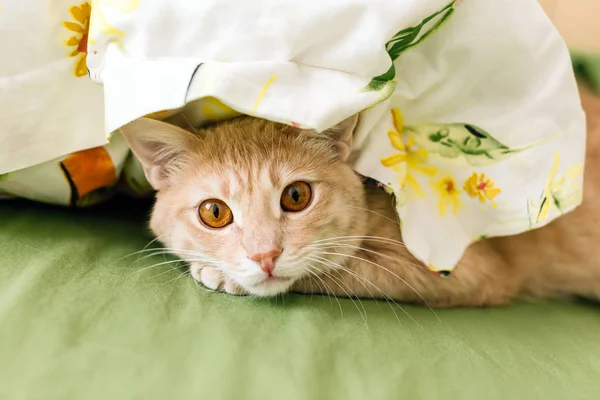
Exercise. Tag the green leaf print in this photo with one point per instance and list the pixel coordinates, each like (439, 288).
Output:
(562, 193)
(476, 146)
(568, 196)
(404, 40)
(3, 177)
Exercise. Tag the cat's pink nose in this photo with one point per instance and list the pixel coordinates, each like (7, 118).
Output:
(266, 260)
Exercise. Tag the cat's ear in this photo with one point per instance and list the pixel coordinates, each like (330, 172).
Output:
(342, 134)
(160, 147)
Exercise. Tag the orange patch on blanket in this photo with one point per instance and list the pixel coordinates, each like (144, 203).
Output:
(90, 170)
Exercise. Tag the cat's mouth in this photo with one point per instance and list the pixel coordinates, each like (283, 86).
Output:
(274, 280)
(272, 285)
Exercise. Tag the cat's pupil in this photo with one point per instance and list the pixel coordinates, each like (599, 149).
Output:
(295, 194)
(215, 211)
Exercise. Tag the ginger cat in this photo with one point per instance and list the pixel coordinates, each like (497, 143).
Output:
(262, 208)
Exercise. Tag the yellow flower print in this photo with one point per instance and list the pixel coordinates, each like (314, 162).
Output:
(409, 159)
(81, 15)
(478, 186)
(99, 21)
(448, 192)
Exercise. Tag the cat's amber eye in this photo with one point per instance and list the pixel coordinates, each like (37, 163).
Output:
(215, 213)
(296, 196)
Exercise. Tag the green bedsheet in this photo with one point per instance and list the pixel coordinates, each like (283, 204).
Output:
(80, 321)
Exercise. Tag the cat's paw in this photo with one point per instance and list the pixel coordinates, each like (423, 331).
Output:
(214, 279)
(210, 277)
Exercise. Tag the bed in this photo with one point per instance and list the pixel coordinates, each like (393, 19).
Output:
(82, 316)
(85, 313)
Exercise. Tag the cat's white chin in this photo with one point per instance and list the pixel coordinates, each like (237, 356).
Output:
(270, 286)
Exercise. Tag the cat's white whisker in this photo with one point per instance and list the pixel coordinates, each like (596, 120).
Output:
(154, 266)
(349, 246)
(362, 281)
(321, 288)
(172, 250)
(350, 296)
(423, 299)
(325, 291)
(328, 263)
(359, 238)
(166, 272)
(152, 254)
(334, 266)
(144, 249)
(157, 238)
(376, 213)
(165, 250)
(188, 122)
(174, 279)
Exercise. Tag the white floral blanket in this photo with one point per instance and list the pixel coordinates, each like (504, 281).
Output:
(470, 113)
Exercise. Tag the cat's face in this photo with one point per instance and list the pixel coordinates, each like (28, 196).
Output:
(257, 201)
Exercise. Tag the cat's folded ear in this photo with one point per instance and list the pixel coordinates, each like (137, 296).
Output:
(342, 134)
(161, 148)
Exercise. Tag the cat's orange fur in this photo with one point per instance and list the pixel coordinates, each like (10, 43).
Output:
(561, 259)
(246, 163)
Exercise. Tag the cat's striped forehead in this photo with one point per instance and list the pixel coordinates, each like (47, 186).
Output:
(233, 183)
(238, 184)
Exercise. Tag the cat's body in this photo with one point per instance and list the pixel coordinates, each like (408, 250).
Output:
(554, 261)
(345, 240)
